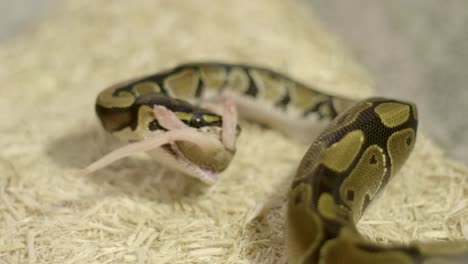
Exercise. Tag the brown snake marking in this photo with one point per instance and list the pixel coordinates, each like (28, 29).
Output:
(353, 158)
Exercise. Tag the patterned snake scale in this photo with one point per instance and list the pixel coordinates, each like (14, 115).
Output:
(357, 148)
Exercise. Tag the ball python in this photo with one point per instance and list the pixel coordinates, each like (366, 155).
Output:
(186, 118)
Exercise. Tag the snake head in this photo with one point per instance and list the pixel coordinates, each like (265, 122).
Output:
(201, 152)
(184, 137)
(204, 145)
(208, 144)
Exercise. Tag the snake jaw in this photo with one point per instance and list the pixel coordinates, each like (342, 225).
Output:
(170, 155)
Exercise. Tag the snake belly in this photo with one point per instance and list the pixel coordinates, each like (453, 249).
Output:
(360, 147)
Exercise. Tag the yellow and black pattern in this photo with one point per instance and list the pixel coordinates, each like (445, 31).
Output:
(341, 173)
(119, 106)
(343, 170)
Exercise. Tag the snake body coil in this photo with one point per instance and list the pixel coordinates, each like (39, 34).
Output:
(361, 146)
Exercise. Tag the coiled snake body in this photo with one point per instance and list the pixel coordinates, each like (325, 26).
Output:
(172, 116)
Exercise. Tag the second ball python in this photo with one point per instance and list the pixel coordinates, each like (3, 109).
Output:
(186, 118)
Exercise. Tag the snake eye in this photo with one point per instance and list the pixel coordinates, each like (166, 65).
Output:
(197, 121)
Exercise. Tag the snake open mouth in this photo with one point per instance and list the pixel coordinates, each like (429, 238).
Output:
(170, 155)
(200, 153)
